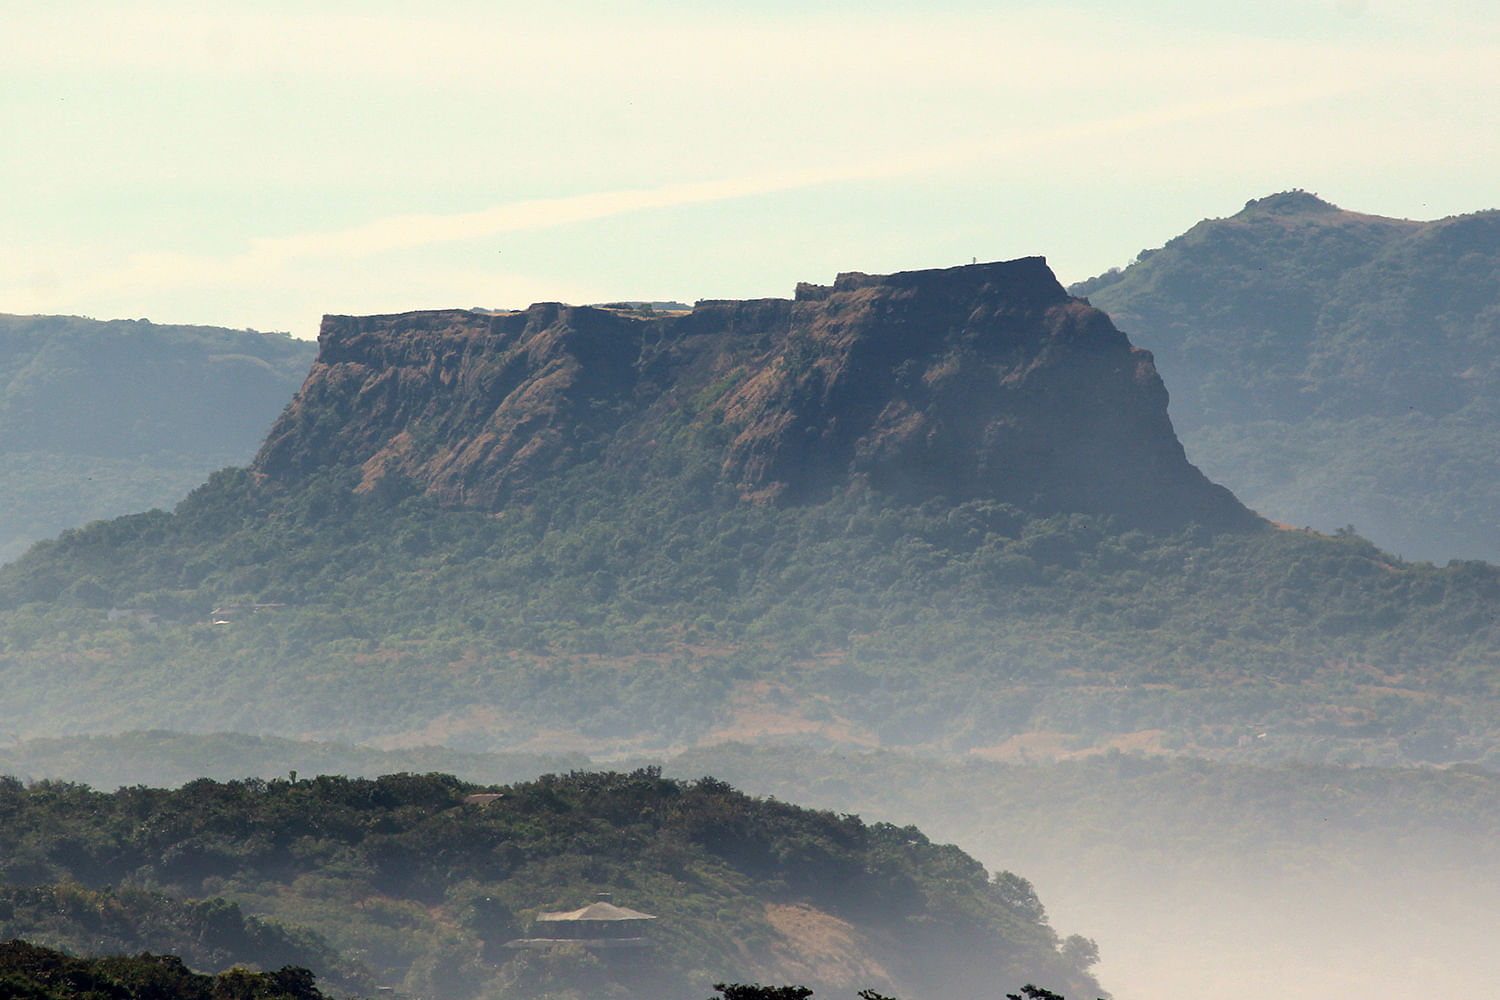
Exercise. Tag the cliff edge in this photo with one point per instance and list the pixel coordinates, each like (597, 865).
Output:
(983, 381)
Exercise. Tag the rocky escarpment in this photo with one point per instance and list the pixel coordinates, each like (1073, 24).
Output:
(981, 381)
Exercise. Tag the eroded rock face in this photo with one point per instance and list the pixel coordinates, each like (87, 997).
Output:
(985, 381)
(471, 406)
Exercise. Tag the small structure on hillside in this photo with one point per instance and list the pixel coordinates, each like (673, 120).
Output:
(600, 926)
(483, 798)
(228, 614)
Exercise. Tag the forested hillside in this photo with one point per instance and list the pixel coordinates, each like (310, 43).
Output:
(1255, 874)
(776, 522)
(1333, 368)
(209, 934)
(39, 973)
(99, 419)
(414, 880)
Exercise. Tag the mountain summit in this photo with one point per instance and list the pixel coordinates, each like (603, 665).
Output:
(985, 381)
(1333, 367)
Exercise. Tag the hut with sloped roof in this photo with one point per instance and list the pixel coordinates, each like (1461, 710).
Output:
(601, 926)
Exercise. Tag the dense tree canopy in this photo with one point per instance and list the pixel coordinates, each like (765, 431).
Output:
(407, 877)
(31, 972)
(621, 614)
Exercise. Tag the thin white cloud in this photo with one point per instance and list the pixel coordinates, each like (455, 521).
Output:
(411, 232)
(269, 256)
(369, 267)
(889, 95)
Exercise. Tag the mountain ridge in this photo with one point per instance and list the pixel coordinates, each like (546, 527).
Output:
(103, 418)
(1333, 368)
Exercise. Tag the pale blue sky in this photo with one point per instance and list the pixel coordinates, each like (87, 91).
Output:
(260, 164)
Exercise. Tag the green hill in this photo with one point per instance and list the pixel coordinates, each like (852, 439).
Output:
(855, 623)
(1222, 878)
(37, 973)
(1333, 368)
(99, 419)
(211, 934)
(424, 885)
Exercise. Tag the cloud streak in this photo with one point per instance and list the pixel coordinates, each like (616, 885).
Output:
(268, 257)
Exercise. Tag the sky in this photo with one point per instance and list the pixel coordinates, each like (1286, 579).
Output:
(261, 164)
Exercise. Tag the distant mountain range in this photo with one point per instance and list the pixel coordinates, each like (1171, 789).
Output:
(99, 419)
(1333, 369)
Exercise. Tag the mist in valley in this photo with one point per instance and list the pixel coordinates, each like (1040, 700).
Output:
(1199, 879)
(1374, 926)
(1194, 879)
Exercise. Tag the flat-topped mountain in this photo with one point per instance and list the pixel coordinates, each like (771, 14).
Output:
(1332, 367)
(935, 509)
(983, 381)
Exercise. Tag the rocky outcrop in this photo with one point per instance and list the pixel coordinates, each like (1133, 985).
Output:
(472, 406)
(985, 381)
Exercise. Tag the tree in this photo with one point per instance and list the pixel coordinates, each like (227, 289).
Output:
(755, 991)
(1030, 992)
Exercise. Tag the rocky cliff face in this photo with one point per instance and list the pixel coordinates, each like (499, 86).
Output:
(983, 381)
